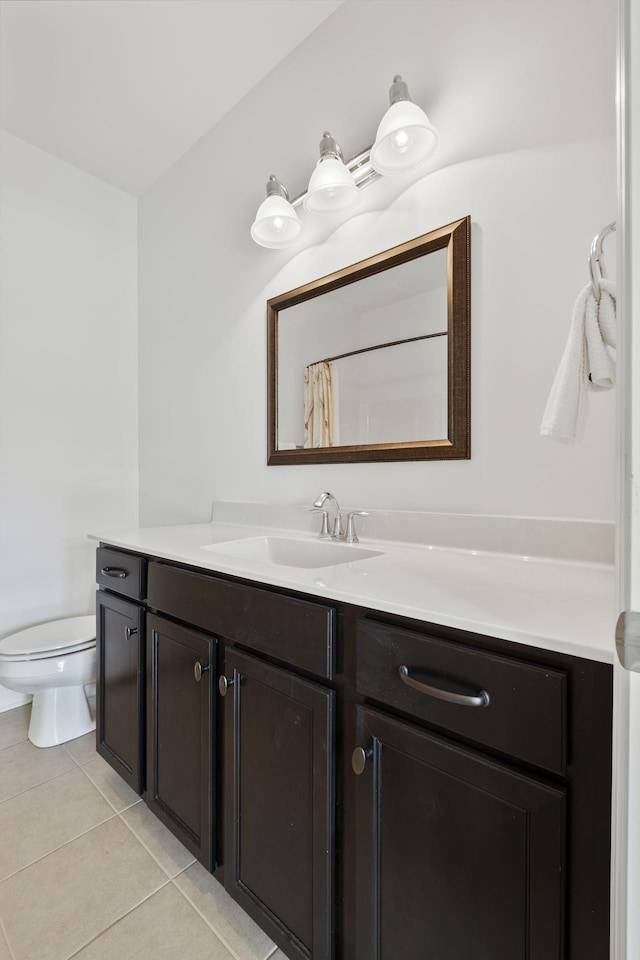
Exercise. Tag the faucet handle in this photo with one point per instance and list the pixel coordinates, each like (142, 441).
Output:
(351, 535)
(324, 529)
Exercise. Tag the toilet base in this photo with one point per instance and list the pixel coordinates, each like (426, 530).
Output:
(59, 714)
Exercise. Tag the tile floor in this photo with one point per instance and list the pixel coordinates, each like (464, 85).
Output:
(87, 872)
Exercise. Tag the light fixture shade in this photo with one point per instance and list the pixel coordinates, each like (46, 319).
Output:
(405, 139)
(331, 187)
(276, 224)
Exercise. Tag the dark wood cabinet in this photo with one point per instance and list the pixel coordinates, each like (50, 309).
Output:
(279, 804)
(181, 732)
(457, 855)
(430, 678)
(299, 632)
(371, 787)
(120, 686)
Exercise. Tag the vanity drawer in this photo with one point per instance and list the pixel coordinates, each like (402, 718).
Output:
(298, 632)
(120, 572)
(527, 704)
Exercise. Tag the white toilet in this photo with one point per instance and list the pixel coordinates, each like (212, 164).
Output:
(53, 661)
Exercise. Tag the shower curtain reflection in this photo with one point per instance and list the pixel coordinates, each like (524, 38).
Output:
(321, 415)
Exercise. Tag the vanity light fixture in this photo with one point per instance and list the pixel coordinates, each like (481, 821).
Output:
(405, 138)
(276, 224)
(331, 187)
(404, 141)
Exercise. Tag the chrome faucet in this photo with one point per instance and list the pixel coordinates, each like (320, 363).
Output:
(331, 528)
(340, 527)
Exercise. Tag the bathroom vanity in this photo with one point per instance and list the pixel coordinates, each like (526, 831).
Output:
(367, 785)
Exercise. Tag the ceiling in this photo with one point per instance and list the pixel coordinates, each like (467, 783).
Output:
(123, 88)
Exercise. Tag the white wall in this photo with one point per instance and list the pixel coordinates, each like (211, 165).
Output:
(523, 97)
(68, 382)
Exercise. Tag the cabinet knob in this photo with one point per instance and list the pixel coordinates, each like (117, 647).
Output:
(130, 632)
(224, 684)
(359, 759)
(198, 670)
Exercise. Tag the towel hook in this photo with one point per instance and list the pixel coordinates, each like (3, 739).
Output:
(596, 265)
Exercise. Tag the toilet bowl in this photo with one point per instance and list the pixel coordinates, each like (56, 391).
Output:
(53, 661)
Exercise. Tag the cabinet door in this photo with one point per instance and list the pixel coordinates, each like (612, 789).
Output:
(279, 803)
(120, 686)
(180, 733)
(456, 855)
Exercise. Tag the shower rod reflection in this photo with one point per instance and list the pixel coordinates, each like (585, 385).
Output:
(381, 346)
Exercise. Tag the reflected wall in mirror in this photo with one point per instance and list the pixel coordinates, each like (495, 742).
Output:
(372, 362)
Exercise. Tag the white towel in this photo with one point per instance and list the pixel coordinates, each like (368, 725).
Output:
(587, 364)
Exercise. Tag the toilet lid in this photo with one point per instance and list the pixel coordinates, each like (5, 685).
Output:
(48, 639)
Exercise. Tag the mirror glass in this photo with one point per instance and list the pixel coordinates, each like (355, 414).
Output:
(371, 363)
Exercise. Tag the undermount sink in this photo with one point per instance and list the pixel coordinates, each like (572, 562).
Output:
(292, 553)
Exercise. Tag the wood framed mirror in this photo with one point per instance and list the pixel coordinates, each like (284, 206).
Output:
(372, 362)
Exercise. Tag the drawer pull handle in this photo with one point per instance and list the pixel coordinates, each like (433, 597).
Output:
(115, 572)
(198, 670)
(130, 632)
(224, 684)
(465, 700)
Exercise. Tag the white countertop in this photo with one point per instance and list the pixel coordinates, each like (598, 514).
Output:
(561, 605)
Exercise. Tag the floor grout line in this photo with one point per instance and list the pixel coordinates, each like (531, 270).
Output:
(208, 923)
(149, 851)
(75, 759)
(55, 849)
(8, 746)
(117, 920)
(35, 786)
(103, 794)
(6, 939)
(40, 783)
